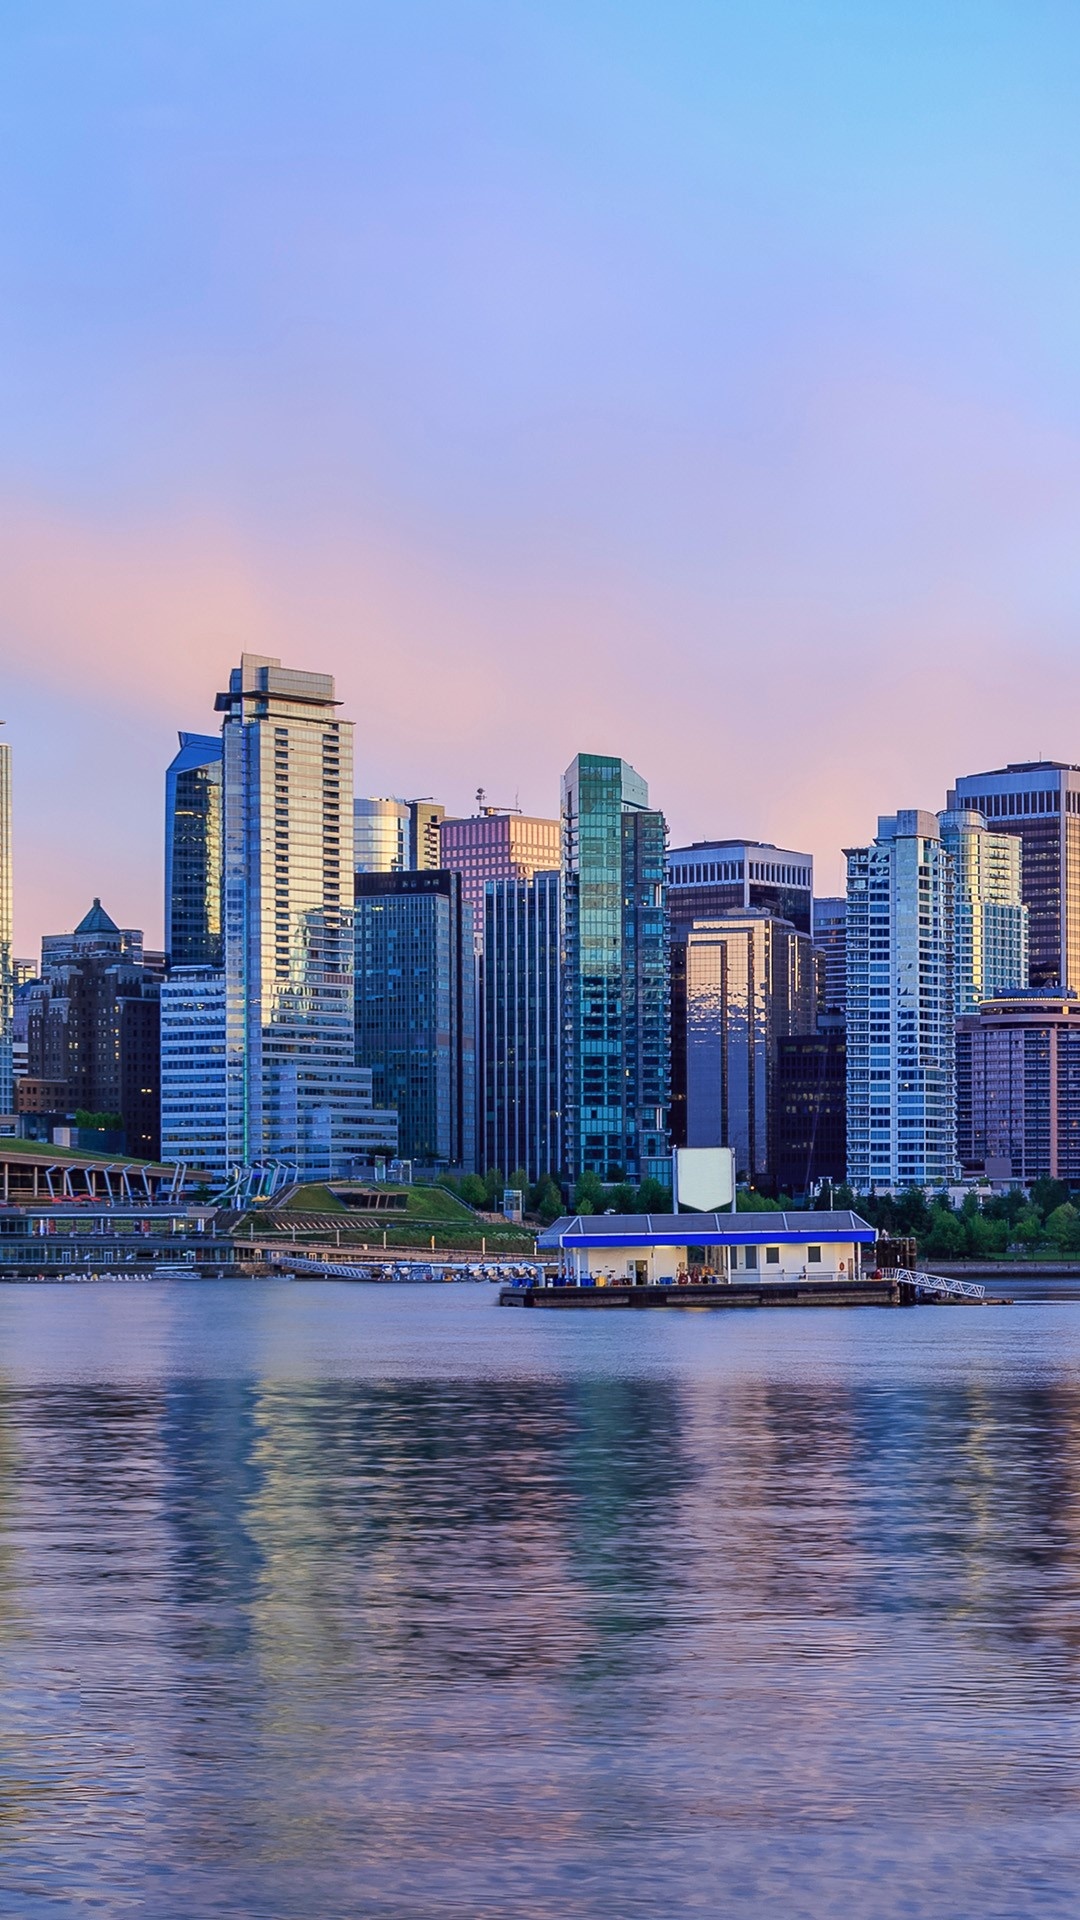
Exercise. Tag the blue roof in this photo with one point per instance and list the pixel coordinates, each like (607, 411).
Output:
(705, 1229)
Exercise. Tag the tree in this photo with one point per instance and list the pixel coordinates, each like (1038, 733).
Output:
(546, 1202)
(493, 1186)
(621, 1198)
(747, 1201)
(1048, 1195)
(912, 1212)
(519, 1181)
(474, 1192)
(1063, 1228)
(651, 1197)
(588, 1193)
(946, 1236)
(1029, 1228)
(986, 1236)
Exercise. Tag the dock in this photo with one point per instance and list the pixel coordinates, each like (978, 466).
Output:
(733, 1293)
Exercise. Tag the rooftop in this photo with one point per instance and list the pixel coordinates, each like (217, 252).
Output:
(703, 1229)
(97, 920)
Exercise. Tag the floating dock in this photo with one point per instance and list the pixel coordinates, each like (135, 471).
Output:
(887, 1292)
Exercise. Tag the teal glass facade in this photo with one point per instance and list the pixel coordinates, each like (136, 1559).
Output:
(616, 1023)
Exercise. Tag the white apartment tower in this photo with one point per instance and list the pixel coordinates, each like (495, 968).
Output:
(294, 1092)
(901, 1055)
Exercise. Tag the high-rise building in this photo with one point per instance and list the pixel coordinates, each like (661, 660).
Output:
(1018, 1087)
(92, 1031)
(522, 1026)
(1039, 802)
(415, 1009)
(990, 937)
(738, 984)
(425, 829)
(811, 1111)
(901, 1086)
(381, 836)
(497, 845)
(616, 1016)
(288, 914)
(713, 878)
(7, 1093)
(196, 1097)
(830, 951)
(193, 802)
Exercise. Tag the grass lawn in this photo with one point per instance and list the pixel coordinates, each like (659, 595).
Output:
(429, 1210)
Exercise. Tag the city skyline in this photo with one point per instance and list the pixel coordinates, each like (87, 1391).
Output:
(585, 378)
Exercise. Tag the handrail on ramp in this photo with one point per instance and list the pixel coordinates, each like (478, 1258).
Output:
(937, 1285)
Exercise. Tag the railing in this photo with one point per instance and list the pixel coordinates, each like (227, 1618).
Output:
(391, 1266)
(936, 1284)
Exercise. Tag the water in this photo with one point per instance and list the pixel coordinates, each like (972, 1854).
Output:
(332, 1601)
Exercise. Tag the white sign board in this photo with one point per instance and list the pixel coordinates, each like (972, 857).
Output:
(704, 1178)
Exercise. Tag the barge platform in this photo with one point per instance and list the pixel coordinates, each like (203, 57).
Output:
(886, 1292)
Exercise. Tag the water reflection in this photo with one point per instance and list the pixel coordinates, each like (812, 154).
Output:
(722, 1638)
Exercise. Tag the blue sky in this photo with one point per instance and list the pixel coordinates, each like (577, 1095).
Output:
(695, 382)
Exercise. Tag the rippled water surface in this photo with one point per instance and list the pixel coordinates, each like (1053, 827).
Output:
(327, 1601)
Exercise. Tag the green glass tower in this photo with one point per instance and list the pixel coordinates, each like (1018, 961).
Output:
(615, 973)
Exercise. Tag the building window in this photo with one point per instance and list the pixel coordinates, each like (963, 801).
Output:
(813, 1255)
(750, 1257)
(772, 1256)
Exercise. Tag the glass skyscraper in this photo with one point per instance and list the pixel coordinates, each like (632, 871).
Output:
(1038, 801)
(738, 985)
(990, 938)
(415, 1009)
(288, 925)
(616, 1020)
(901, 1050)
(193, 798)
(7, 1093)
(713, 878)
(381, 835)
(522, 1026)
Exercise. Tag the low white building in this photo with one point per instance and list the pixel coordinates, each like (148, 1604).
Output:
(655, 1249)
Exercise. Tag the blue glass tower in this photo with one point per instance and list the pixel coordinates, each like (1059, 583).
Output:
(522, 1026)
(415, 1009)
(193, 853)
(616, 1021)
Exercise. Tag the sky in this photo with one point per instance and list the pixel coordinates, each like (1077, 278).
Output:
(693, 381)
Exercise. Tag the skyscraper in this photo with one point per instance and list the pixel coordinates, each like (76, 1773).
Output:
(288, 910)
(616, 1022)
(713, 878)
(415, 1009)
(381, 836)
(425, 829)
(830, 949)
(497, 845)
(193, 802)
(990, 938)
(901, 1082)
(738, 985)
(7, 1096)
(1039, 802)
(522, 1026)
